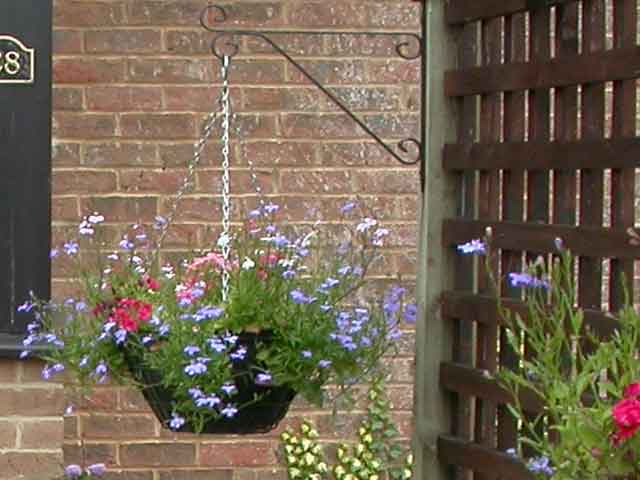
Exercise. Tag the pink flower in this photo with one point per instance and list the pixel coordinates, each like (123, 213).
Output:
(632, 390)
(626, 414)
(211, 258)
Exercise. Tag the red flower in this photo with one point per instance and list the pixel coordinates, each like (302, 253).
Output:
(151, 284)
(128, 314)
(626, 414)
(632, 390)
(270, 260)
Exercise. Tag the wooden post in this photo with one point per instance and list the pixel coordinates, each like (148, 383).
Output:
(434, 335)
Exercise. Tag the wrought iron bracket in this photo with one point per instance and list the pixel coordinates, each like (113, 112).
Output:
(409, 46)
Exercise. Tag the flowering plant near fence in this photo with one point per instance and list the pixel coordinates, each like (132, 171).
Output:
(586, 389)
(294, 290)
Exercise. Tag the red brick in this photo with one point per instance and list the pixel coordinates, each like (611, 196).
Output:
(157, 454)
(327, 126)
(82, 126)
(187, 12)
(119, 155)
(188, 42)
(65, 182)
(123, 209)
(176, 154)
(67, 41)
(123, 41)
(132, 400)
(30, 464)
(397, 72)
(32, 402)
(157, 126)
(278, 153)
(171, 70)
(243, 454)
(88, 70)
(389, 182)
(253, 126)
(71, 427)
(64, 209)
(31, 371)
(8, 434)
(327, 182)
(362, 46)
(67, 98)
(354, 154)
(151, 181)
(197, 209)
(65, 154)
(69, 13)
(395, 125)
(407, 263)
(295, 45)
(254, 72)
(185, 236)
(98, 400)
(355, 13)
(117, 426)
(332, 72)
(124, 99)
(208, 474)
(91, 453)
(8, 371)
(127, 475)
(42, 434)
(193, 99)
(241, 183)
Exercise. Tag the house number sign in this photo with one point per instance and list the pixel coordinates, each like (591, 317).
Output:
(17, 61)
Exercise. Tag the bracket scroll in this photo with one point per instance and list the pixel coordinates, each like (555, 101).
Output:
(409, 46)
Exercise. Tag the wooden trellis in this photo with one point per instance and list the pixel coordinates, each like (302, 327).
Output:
(531, 130)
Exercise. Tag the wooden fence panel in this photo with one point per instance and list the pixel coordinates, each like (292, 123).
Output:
(536, 157)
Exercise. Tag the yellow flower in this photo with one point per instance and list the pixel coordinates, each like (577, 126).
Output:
(305, 427)
(360, 448)
(285, 436)
(339, 470)
(294, 472)
(309, 459)
(322, 467)
(410, 459)
(306, 444)
(406, 473)
(288, 449)
(356, 464)
(292, 460)
(317, 449)
(313, 433)
(367, 438)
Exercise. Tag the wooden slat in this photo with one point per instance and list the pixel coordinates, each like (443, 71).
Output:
(466, 380)
(619, 64)
(462, 11)
(497, 465)
(591, 181)
(583, 240)
(623, 180)
(560, 155)
(484, 309)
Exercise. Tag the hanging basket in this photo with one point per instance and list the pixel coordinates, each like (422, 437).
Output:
(261, 416)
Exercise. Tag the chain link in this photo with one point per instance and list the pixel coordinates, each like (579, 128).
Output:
(225, 239)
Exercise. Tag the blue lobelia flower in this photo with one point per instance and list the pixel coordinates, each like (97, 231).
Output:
(474, 247)
(191, 350)
(176, 422)
(195, 368)
(229, 388)
(229, 411)
(541, 465)
(525, 280)
(264, 379)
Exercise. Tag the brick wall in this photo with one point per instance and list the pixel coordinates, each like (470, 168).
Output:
(31, 425)
(133, 81)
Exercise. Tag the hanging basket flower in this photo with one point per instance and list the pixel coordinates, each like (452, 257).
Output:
(205, 363)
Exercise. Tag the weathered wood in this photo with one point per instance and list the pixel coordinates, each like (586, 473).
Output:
(621, 153)
(497, 465)
(463, 11)
(617, 64)
(588, 241)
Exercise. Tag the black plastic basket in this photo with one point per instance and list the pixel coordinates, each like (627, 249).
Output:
(259, 417)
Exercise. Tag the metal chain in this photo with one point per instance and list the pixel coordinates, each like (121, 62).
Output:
(225, 239)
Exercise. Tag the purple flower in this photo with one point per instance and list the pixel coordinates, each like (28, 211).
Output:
(229, 388)
(324, 363)
(101, 372)
(348, 207)
(264, 379)
(71, 248)
(270, 230)
(195, 393)
(474, 247)
(366, 224)
(208, 313)
(125, 244)
(411, 313)
(120, 336)
(239, 354)
(254, 214)
(344, 271)
(164, 330)
(271, 208)
(217, 345)
(306, 354)
(394, 334)
(195, 368)
(357, 271)
(326, 308)
(24, 354)
(54, 253)
(541, 465)
(25, 307)
(84, 363)
(229, 411)
(527, 281)
(281, 241)
(288, 274)
(113, 256)
(176, 422)
(230, 339)
(298, 297)
(159, 222)
(73, 471)
(211, 401)
(148, 340)
(191, 350)
(97, 469)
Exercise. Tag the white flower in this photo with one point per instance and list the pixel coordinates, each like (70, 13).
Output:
(248, 264)
(95, 218)
(224, 240)
(366, 224)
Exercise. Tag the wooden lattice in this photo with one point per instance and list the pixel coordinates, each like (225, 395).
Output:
(546, 147)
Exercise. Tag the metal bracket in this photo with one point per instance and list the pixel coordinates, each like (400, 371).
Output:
(409, 46)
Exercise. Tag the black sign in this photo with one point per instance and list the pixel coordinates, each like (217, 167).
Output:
(25, 160)
(17, 61)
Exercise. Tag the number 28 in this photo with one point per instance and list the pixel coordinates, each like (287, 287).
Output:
(10, 62)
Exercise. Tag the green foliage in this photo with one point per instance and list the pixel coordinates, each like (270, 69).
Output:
(376, 454)
(578, 378)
